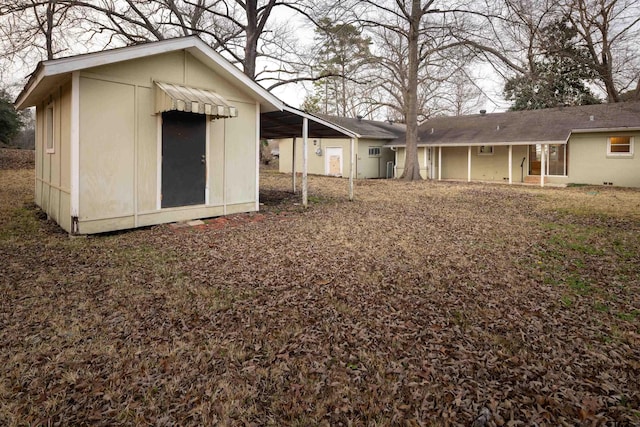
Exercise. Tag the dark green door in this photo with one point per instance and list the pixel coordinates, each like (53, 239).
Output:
(183, 159)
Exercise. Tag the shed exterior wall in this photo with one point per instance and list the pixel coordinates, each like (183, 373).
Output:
(120, 145)
(52, 183)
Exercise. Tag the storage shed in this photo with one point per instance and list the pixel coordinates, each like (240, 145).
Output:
(147, 134)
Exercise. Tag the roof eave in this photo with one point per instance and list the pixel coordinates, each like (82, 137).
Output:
(607, 129)
(343, 130)
(21, 101)
(478, 144)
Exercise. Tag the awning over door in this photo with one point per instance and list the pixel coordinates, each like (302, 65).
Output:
(171, 97)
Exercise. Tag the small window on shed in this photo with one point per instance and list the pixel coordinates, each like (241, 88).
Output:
(374, 151)
(485, 150)
(49, 129)
(620, 146)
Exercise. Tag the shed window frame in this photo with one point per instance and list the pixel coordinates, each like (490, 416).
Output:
(49, 129)
(375, 151)
(630, 144)
(482, 148)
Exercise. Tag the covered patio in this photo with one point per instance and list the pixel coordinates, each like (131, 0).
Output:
(293, 123)
(540, 160)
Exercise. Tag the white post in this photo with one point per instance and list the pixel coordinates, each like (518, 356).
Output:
(543, 165)
(293, 165)
(440, 163)
(426, 169)
(510, 164)
(352, 168)
(395, 163)
(258, 146)
(305, 142)
(469, 164)
(75, 151)
(433, 162)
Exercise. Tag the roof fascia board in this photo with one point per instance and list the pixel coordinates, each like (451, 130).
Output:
(323, 122)
(614, 129)
(478, 144)
(33, 82)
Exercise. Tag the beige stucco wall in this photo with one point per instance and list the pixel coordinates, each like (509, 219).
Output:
(120, 163)
(589, 163)
(52, 183)
(424, 161)
(494, 167)
(373, 167)
(366, 167)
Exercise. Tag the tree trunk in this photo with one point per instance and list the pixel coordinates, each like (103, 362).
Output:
(251, 46)
(49, 29)
(411, 165)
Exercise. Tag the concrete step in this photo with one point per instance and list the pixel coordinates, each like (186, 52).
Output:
(534, 179)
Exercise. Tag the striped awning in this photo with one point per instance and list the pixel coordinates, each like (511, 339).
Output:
(171, 97)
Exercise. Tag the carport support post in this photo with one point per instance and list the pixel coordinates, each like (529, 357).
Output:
(543, 165)
(352, 168)
(305, 141)
(469, 164)
(440, 163)
(510, 164)
(293, 166)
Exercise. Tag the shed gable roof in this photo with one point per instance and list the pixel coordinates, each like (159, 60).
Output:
(49, 73)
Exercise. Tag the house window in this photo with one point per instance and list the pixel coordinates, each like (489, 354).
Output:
(485, 150)
(374, 151)
(49, 129)
(620, 146)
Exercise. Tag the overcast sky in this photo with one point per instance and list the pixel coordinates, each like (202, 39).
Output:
(14, 75)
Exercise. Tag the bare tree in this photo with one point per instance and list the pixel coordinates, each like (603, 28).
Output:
(414, 39)
(610, 31)
(243, 31)
(35, 29)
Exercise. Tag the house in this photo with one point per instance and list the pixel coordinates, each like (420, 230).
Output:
(147, 134)
(331, 156)
(592, 144)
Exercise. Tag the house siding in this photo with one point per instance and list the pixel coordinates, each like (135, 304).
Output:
(589, 163)
(315, 163)
(372, 167)
(493, 167)
(366, 167)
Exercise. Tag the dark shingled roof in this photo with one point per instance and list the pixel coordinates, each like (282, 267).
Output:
(525, 127)
(369, 129)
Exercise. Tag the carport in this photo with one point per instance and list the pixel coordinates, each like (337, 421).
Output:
(293, 123)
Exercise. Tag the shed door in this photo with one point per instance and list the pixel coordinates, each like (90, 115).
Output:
(333, 162)
(183, 159)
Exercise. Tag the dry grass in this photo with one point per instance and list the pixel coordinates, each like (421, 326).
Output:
(417, 304)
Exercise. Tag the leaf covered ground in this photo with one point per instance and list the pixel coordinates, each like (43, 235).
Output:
(417, 304)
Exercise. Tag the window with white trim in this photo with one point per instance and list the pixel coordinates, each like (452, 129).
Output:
(49, 129)
(374, 151)
(620, 146)
(485, 150)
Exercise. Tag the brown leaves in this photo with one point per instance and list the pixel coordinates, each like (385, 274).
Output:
(417, 304)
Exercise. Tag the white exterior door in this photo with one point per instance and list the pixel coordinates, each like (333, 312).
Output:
(333, 161)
